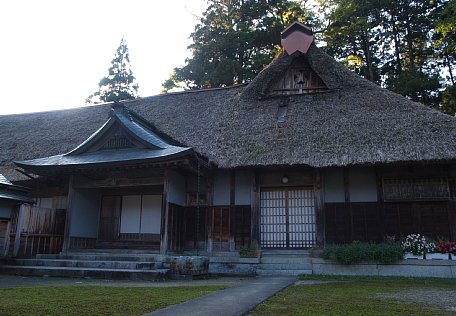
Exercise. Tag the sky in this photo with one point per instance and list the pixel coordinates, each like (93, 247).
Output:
(54, 53)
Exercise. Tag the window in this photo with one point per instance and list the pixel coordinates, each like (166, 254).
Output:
(298, 79)
(415, 188)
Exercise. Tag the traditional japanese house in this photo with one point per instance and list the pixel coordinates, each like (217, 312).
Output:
(306, 154)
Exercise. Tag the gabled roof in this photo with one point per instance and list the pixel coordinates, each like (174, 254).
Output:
(354, 122)
(124, 138)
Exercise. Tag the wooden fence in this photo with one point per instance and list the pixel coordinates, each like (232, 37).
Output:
(36, 230)
(347, 222)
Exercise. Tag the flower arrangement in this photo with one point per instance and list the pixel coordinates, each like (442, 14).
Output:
(445, 247)
(417, 244)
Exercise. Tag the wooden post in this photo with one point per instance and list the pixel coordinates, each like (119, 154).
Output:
(255, 204)
(164, 216)
(209, 212)
(232, 210)
(6, 245)
(66, 234)
(21, 217)
(319, 210)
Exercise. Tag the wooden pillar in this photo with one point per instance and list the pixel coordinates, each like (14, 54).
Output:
(319, 210)
(164, 215)
(6, 245)
(66, 234)
(21, 219)
(255, 213)
(347, 201)
(209, 211)
(232, 210)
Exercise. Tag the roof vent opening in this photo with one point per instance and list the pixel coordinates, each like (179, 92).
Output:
(297, 38)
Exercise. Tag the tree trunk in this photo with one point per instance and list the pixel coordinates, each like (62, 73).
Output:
(396, 44)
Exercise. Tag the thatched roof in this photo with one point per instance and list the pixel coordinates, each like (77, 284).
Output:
(354, 122)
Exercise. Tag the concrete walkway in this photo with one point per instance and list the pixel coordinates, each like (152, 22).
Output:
(237, 300)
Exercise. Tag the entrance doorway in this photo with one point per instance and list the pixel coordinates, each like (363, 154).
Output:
(130, 217)
(287, 218)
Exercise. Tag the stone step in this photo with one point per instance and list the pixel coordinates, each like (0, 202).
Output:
(134, 265)
(283, 259)
(102, 257)
(115, 251)
(97, 273)
(283, 272)
(280, 252)
(286, 266)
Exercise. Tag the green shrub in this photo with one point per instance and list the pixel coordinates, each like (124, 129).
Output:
(362, 252)
(248, 251)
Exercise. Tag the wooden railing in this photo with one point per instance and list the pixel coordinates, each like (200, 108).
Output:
(31, 244)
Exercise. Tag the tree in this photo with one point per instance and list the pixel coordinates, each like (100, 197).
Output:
(234, 41)
(120, 83)
(449, 101)
(388, 42)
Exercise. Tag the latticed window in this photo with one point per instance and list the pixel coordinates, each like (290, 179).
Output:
(298, 79)
(118, 141)
(415, 188)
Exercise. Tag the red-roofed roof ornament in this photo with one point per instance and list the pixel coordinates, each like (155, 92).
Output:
(297, 37)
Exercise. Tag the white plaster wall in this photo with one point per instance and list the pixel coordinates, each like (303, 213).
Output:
(44, 202)
(176, 191)
(333, 185)
(6, 208)
(221, 188)
(243, 189)
(151, 214)
(130, 214)
(362, 184)
(85, 210)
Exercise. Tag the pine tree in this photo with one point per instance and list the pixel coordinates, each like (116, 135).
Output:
(234, 41)
(120, 83)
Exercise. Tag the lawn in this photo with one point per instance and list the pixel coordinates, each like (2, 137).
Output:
(365, 296)
(94, 300)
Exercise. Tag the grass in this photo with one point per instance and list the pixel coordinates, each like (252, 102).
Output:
(94, 300)
(356, 296)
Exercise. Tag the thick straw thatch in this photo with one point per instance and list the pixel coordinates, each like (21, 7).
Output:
(355, 122)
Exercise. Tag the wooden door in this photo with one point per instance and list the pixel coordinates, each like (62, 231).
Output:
(110, 218)
(288, 218)
(221, 228)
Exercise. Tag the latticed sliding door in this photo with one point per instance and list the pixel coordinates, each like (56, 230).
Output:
(288, 218)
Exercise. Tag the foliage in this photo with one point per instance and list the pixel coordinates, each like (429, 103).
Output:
(417, 85)
(249, 251)
(445, 247)
(449, 101)
(234, 41)
(392, 42)
(94, 300)
(361, 252)
(357, 297)
(417, 244)
(120, 82)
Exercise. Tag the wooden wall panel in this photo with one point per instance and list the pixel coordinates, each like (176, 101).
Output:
(347, 222)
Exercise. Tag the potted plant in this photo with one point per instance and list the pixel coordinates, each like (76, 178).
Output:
(415, 246)
(442, 251)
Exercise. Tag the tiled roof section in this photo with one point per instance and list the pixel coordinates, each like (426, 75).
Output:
(4, 180)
